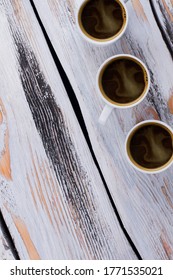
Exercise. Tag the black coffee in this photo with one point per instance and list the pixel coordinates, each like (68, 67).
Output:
(123, 80)
(102, 19)
(151, 146)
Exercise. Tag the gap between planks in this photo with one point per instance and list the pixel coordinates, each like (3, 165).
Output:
(7, 247)
(159, 23)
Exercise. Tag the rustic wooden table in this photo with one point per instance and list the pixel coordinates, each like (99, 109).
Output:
(66, 189)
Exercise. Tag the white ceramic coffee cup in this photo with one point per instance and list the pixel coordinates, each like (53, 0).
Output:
(130, 157)
(101, 42)
(110, 105)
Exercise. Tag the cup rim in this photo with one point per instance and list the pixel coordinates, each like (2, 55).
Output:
(141, 168)
(125, 105)
(107, 41)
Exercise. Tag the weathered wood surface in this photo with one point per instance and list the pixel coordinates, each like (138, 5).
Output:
(145, 202)
(5, 250)
(164, 14)
(52, 197)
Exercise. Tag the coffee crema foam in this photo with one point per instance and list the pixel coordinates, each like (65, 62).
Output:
(102, 19)
(151, 146)
(123, 80)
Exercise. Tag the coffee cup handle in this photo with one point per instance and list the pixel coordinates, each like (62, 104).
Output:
(105, 114)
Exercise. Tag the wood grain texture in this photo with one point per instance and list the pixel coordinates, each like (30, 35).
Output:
(52, 197)
(5, 250)
(145, 202)
(164, 12)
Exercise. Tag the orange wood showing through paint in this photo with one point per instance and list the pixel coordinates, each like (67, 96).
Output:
(23, 231)
(5, 168)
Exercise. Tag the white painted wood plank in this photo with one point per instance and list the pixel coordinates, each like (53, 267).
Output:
(145, 202)
(52, 197)
(5, 250)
